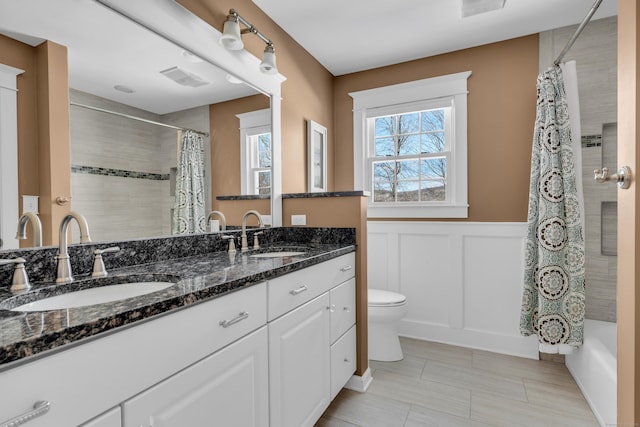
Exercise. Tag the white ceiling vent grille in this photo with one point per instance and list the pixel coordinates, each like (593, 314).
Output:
(184, 77)
(476, 7)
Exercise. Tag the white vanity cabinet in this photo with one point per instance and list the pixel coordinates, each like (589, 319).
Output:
(228, 388)
(273, 354)
(308, 308)
(86, 380)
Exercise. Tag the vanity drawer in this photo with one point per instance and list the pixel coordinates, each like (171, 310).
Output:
(343, 308)
(343, 360)
(292, 290)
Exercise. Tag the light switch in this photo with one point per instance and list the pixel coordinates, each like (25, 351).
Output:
(29, 204)
(298, 220)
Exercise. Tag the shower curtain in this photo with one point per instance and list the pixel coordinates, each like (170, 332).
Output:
(188, 213)
(553, 302)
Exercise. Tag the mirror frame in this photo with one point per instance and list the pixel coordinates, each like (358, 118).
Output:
(178, 25)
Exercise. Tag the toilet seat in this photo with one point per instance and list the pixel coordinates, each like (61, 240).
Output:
(380, 298)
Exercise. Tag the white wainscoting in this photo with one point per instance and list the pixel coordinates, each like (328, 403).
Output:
(462, 280)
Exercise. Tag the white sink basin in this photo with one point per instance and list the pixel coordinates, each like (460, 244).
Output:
(93, 296)
(276, 254)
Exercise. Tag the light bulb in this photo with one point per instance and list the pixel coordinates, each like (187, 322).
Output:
(268, 64)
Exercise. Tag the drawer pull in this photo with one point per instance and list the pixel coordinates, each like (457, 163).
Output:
(346, 268)
(346, 360)
(300, 290)
(41, 407)
(241, 316)
(347, 309)
(331, 308)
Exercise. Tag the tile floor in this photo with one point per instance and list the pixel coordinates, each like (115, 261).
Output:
(447, 386)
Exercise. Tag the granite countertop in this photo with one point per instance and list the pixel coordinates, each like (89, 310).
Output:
(199, 278)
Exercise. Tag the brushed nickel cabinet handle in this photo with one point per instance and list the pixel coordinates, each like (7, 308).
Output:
(40, 408)
(300, 290)
(241, 316)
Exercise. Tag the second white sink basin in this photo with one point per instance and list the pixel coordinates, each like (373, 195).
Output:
(93, 296)
(277, 254)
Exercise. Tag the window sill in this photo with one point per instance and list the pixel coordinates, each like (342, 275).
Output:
(418, 211)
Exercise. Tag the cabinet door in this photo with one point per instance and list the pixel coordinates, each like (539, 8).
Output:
(228, 388)
(299, 364)
(343, 308)
(110, 418)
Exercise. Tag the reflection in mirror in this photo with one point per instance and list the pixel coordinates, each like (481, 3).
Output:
(122, 169)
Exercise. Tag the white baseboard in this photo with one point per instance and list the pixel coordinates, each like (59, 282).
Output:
(360, 383)
(514, 345)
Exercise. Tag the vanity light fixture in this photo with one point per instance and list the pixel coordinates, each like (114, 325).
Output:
(231, 39)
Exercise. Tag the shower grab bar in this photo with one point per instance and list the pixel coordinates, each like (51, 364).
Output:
(623, 177)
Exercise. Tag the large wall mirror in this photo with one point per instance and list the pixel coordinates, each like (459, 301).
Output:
(126, 78)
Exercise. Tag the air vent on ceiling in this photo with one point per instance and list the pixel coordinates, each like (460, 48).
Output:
(476, 7)
(184, 77)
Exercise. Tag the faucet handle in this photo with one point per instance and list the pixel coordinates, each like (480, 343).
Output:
(256, 241)
(20, 281)
(232, 243)
(99, 269)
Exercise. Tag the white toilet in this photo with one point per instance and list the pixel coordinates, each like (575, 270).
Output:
(385, 310)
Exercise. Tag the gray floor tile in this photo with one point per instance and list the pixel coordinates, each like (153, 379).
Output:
(512, 413)
(439, 385)
(411, 366)
(367, 410)
(475, 380)
(430, 394)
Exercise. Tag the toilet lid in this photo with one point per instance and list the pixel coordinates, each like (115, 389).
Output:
(379, 297)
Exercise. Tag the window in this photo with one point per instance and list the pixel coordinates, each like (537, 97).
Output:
(410, 148)
(260, 165)
(255, 152)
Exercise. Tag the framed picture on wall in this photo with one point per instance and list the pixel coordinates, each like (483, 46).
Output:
(317, 157)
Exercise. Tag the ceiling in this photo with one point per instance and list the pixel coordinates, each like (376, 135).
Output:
(101, 55)
(355, 35)
(345, 36)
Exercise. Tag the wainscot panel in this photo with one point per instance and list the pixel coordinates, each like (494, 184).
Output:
(462, 280)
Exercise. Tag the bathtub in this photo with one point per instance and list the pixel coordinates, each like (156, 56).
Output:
(594, 367)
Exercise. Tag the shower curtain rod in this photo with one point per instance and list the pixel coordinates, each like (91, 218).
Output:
(573, 39)
(140, 119)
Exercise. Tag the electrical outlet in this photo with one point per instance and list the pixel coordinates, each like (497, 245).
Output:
(298, 220)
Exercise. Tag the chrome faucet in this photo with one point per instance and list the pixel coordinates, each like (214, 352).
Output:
(64, 266)
(36, 226)
(223, 219)
(245, 245)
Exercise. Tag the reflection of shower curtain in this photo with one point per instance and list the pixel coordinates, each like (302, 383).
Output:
(553, 297)
(188, 214)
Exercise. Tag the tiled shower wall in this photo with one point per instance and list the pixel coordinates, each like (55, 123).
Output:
(596, 61)
(120, 178)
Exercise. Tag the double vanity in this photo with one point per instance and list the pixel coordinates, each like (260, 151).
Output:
(262, 338)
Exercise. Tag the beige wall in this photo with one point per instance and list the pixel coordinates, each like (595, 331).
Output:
(306, 94)
(225, 144)
(43, 131)
(501, 114)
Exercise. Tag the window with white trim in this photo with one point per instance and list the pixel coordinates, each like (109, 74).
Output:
(255, 152)
(410, 148)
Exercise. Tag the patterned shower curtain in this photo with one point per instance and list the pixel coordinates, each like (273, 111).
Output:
(553, 302)
(188, 213)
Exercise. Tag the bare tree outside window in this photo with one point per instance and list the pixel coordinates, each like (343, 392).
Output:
(409, 162)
